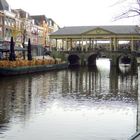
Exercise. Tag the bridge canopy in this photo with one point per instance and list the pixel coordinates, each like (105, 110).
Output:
(126, 30)
(93, 34)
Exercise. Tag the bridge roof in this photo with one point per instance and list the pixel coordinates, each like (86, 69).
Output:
(113, 29)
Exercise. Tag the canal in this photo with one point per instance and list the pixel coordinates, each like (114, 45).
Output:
(75, 104)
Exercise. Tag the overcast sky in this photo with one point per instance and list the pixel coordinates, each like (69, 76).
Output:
(77, 12)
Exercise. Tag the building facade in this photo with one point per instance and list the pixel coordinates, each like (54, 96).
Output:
(22, 26)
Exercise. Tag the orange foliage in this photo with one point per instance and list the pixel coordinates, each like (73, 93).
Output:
(23, 63)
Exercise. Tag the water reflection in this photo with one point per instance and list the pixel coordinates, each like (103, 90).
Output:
(74, 104)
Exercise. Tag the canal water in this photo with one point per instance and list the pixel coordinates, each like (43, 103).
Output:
(74, 104)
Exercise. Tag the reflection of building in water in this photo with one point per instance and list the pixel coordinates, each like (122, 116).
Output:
(14, 97)
(20, 96)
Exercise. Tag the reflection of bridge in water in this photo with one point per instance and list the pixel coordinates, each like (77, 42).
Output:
(84, 44)
(96, 83)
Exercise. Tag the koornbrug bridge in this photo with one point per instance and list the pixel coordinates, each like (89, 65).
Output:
(83, 44)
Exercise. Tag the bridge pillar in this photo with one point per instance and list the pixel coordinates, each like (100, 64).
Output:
(115, 43)
(82, 44)
(114, 60)
(63, 44)
(111, 44)
(83, 59)
(70, 44)
(132, 44)
(90, 43)
(56, 43)
(67, 44)
(86, 49)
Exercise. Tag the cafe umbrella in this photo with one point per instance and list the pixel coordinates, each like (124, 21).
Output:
(12, 56)
(29, 50)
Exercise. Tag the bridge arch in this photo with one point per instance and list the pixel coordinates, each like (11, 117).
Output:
(91, 60)
(124, 59)
(74, 60)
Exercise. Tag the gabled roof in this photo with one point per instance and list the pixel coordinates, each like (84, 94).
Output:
(4, 5)
(22, 13)
(116, 29)
(39, 19)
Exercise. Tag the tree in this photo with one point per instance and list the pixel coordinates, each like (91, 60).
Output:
(133, 10)
(15, 31)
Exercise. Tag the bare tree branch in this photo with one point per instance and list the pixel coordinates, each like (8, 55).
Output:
(133, 11)
(138, 1)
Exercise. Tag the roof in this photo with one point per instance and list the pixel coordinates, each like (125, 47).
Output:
(22, 13)
(4, 5)
(116, 29)
(39, 19)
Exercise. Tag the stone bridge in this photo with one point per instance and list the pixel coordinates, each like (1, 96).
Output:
(88, 58)
(115, 40)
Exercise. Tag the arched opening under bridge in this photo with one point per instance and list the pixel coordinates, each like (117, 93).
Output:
(74, 60)
(92, 60)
